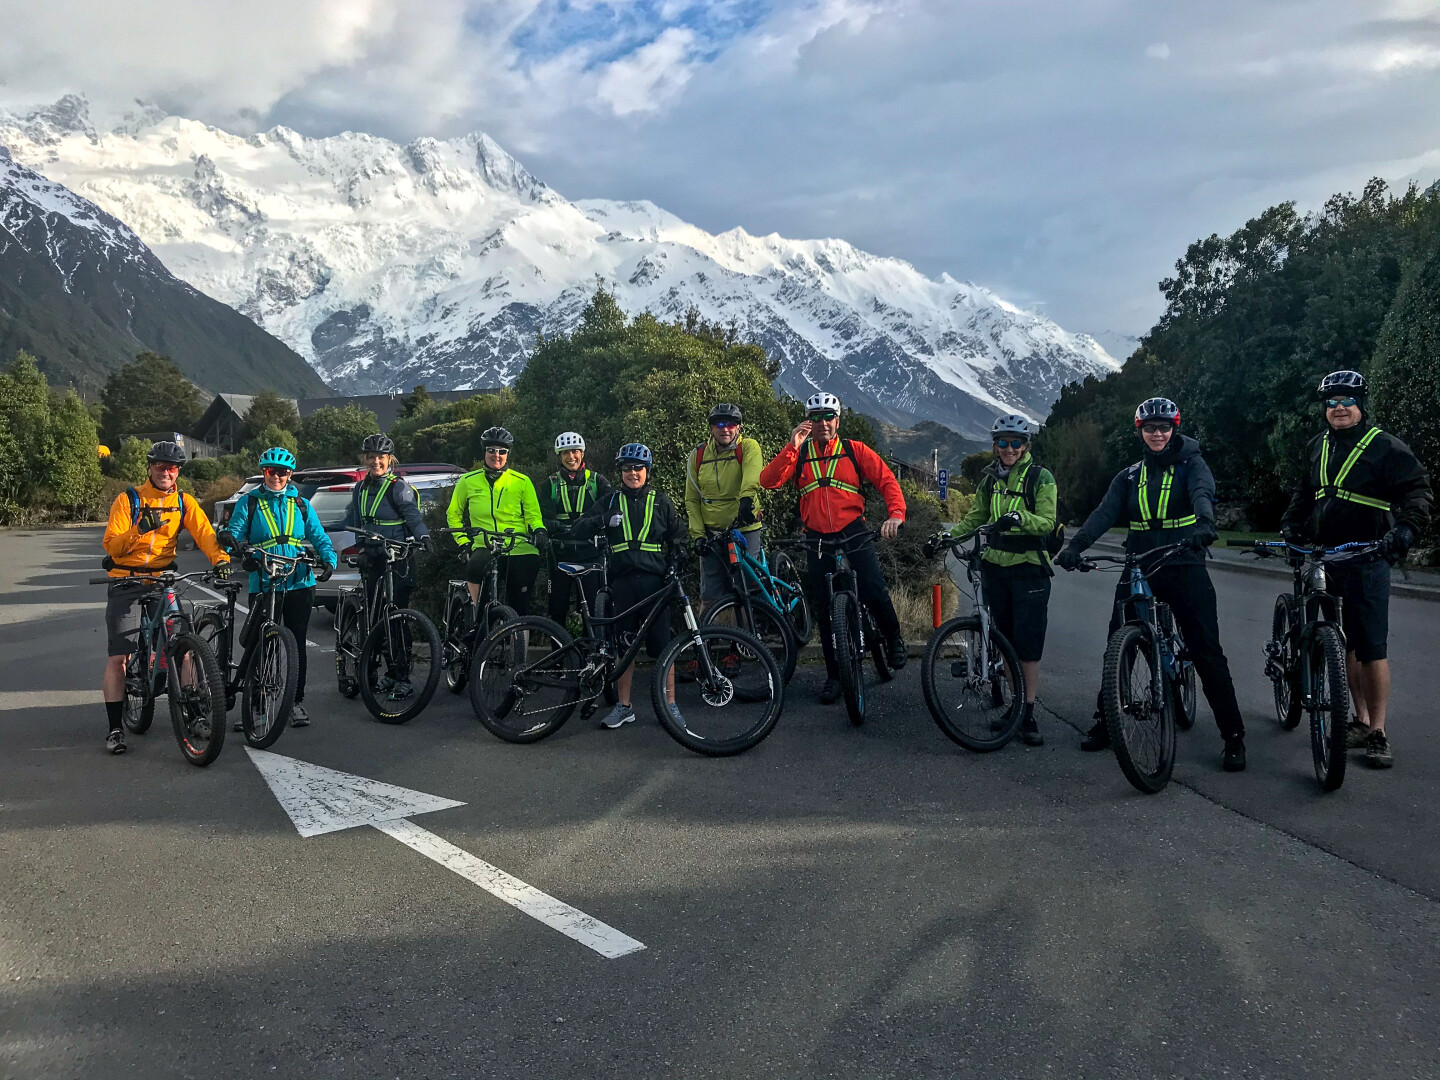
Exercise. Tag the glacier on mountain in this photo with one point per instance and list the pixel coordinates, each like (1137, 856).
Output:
(439, 261)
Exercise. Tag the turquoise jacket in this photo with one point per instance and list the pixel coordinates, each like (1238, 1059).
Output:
(285, 523)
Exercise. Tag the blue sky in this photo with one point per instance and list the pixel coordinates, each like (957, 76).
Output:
(1062, 152)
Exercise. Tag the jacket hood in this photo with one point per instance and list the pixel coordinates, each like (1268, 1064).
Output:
(1179, 448)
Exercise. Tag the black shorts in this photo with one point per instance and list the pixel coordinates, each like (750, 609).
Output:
(1019, 599)
(1364, 591)
(122, 617)
(628, 591)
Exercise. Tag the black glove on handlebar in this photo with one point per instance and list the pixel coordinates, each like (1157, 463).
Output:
(541, 539)
(428, 543)
(222, 570)
(1009, 521)
(325, 572)
(934, 543)
(1203, 536)
(1069, 558)
(745, 516)
(1396, 544)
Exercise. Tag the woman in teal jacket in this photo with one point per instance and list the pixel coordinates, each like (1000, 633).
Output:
(277, 518)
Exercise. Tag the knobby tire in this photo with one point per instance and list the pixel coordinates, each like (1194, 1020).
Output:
(197, 699)
(1142, 730)
(270, 685)
(1329, 706)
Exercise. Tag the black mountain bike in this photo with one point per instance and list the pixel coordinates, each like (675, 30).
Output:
(458, 636)
(751, 606)
(730, 704)
(852, 627)
(171, 660)
(973, 683)
(391, 656)
(1147, 687)
(1305, 656)
(269, 668)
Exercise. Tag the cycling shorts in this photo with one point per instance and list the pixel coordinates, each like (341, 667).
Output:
(1019, 599)
(628, 591)
(122, 617)
(1364, 591)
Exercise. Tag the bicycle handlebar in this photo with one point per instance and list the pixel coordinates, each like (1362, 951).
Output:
(1269, 548)
(1158, 555)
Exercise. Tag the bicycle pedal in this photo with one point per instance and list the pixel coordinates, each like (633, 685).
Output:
(589, 709)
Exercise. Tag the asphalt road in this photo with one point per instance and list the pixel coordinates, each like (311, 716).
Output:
(838, 902)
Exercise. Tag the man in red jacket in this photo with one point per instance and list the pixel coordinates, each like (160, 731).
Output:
(828, 471)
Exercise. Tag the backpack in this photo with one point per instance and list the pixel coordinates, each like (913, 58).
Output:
(253, 497)
(1054, 540)
(134, 497)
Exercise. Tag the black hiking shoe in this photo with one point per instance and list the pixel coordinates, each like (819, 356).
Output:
(899, 655)
(1097, 738)
(1233, 759)
(830, 692)
(1029, 729)
(115, 742)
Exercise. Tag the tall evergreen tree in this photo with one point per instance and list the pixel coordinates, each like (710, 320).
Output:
(149, 394)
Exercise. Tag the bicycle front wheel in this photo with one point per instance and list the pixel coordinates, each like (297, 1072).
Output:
(525, 679)
(270, 685)
(1327, 700)
(768, 625)
(734, 699)
(972, 685)
(849, 655)
(400, 666)
(791, 595)
(197, 699)
(1138, 711)
(1282, 664)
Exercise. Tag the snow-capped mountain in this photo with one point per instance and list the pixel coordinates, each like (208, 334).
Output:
(437, 262)
(81, 290)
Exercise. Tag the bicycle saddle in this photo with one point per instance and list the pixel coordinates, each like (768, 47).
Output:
(578, 569)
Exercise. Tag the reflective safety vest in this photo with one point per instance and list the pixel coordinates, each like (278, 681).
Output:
(369, 508)
(637, 541)
(278, 534)
(1336, 488)
(560, 493)
(825, 478)
(1158, 520)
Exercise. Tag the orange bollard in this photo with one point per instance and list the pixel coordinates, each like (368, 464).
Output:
(935, 604)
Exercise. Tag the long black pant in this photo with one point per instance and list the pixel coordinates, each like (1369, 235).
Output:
(517, 576)
(869, 583)
(563, 587)
(1191, 596)
(293, 609)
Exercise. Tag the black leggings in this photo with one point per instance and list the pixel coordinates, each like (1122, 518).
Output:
(294, 609)
(869, 584)
(517, 576)
(563, 587)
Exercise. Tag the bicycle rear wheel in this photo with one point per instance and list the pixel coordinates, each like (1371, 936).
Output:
(525, 679)
(197, 699)
(270, 683)
(457, 629)
(1281, 662)
(400, 666)
(209, 628)
(849, 655)
(878, 654)
(792, 598)
(977, 701)
(1328, 703)
(139, 693)
(1136, 701)
(735, 698)
(769, 626)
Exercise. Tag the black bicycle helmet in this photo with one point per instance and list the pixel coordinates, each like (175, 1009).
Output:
(497, 436)
(1344, 383)
(728, 412)
(168, 452)
(1156, 409)
(378, 444)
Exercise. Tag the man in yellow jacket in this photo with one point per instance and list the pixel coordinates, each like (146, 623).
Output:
(722, 482)
(139, 540)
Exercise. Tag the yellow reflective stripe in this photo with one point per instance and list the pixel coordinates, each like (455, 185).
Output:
(278, 536)
(1159, 520)
(1335, 489)
(641, 543)
(368, 513)
(1363, 500)
(1002, 492)
(828, 474)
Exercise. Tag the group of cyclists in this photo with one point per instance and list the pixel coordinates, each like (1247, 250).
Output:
(1360, 484)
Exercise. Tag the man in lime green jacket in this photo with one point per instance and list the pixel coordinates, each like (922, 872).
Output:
(1016, 564)
(722, 482)
(498, 498)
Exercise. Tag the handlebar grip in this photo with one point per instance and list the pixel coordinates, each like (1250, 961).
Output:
(104, 580)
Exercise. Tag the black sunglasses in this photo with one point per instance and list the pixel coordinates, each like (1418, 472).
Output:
(822, 416)
(1010, 444)
(1341, 402)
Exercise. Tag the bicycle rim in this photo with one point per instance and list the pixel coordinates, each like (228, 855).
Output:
(525, 679)
(1138, 711)
(197, 699)
(849, 655)
(1284, 663)
(733, 702)
(769, 626)
(974, 694)
(1329, 707)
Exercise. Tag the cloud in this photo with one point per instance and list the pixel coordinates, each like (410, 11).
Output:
(1158, 51)
(650, 76)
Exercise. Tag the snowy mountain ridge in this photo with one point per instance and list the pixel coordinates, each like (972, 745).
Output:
(438, 261)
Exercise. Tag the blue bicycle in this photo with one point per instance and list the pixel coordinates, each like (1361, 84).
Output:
(766, 604)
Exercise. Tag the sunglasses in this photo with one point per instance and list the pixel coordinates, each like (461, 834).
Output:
(822, 416)
(1009, 444)
(631, 467)
(1155, 429)
(276, 470)
(724, 423)
(502, 451)
(1341, 402)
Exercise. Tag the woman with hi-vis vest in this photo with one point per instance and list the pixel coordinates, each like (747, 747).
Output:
(565, 497)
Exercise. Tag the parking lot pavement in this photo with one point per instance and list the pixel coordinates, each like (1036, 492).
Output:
(843, 902)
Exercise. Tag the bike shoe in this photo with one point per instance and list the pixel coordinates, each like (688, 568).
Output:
(899, 656)
(830, 692)
(1097, 738)
(115, 742)
(1356, 734)
(1377, 751)
(298, 716)
(617, 717)
(399, 690)
(1030, 730)
(1233, 759)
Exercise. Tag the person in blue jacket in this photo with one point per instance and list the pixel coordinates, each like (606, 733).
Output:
(274, 516)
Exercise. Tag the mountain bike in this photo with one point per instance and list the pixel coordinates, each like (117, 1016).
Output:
(458, 624)
(1147, 687)
(752, 605)
(269, 668)
(972, 680)
(731, 703)
(1305, 656)
(852, 627)
(170, 659)
(391, 656)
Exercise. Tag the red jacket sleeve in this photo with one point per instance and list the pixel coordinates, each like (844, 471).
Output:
(780, 469)
(879, 474)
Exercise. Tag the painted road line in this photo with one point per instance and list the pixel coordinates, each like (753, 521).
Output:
(320, 800)
(47, 699)
(10, 614)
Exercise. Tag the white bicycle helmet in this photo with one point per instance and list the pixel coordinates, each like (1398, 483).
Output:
(822, 402)
(1010, 424)
(569, 440)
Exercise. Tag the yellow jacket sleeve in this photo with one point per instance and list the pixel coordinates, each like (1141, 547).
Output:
(752, 461)
(119, 529)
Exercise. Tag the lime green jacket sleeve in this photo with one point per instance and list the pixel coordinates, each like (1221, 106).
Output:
(1042, 521)
(977, 515)
(751, 464)
(454, 513)
(694, 519)
(530, 507)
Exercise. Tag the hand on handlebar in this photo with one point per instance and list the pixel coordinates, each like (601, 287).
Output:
(1005, 522)
(1203, 536)
(222, 570)
(1069, 558)
(934, 544)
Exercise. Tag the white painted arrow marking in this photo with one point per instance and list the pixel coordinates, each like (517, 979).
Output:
(321, 800)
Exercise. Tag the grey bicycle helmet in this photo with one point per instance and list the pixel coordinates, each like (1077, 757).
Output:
(497, 436)
(1010, 424)
(378, 444)
(1344, 383)
(1157, 409)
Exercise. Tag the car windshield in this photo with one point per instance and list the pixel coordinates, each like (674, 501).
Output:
(330, 507)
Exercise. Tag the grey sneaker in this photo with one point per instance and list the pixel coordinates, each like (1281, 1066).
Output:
(1377, 751)
(115, 742)
(616, 717)
(400, 689)
(1355, 735)
(298, 716)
